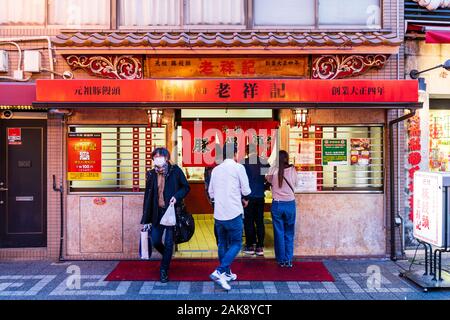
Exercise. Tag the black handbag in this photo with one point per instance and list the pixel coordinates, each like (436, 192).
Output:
(185, 225)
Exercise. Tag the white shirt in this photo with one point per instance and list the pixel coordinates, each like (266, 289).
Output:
(229, 182)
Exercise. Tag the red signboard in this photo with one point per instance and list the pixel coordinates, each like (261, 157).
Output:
(14, 136)
(84, 156)
(202, 138)
(227, 90)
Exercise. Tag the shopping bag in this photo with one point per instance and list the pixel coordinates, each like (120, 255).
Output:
(145, 243)
(169, 219)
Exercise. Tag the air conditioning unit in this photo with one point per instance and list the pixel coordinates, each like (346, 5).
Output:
(31, 61)
(3, 61)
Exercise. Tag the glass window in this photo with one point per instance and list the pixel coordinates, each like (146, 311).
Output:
(350, 12)
(360, 167)
(22, 12)
(143, 13)
(79, 12)
(215, 12)
(117, 157)
(439, 140)
(284, 13)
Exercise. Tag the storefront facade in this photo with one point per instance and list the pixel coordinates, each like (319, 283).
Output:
(427, 45)
(234, 78)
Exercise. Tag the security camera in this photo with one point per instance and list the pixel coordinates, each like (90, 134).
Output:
(7, 114)
(67, 75)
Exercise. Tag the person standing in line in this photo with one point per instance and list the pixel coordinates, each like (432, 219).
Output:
(283, 179)
(256, 169)
(229, 188)
(166, 184)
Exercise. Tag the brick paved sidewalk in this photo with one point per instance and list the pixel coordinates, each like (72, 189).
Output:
(355, 279)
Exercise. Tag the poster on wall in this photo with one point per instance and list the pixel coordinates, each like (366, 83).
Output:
(360, 152)
(84, 156)
(334, 152)
(428, 210)
(306, 152)
(14, 136)
(306, 181)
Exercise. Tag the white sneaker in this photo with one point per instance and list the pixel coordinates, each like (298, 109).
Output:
(230, 276)
(219, 278)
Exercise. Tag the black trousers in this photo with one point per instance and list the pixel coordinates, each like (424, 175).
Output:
(254, 222)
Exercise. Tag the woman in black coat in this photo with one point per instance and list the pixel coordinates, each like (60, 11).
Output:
(165, 184)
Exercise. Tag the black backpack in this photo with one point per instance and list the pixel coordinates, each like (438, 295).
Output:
(185, 225)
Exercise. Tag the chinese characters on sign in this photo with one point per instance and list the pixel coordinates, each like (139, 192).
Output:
(251, 67)
(84, 156)
(97, 91)
(306, 155)
(334, 152)
(238, 90)
(428, 207)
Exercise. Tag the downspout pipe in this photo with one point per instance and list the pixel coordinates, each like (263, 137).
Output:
(392, 176)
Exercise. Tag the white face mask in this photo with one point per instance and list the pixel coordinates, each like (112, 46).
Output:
(159, 161)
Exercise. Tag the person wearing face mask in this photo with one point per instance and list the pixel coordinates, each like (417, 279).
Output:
(165, 184)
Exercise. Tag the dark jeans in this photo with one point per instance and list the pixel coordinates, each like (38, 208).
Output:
(229, 234)
(254, 222)
(283, 219)
(166, 249)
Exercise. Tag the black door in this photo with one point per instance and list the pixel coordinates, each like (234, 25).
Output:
(23, 193)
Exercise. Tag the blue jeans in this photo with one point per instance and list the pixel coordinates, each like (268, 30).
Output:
(166, 249)
(229, 234)
(283, 220)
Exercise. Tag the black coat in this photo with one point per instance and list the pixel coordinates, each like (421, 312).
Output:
(176, 185)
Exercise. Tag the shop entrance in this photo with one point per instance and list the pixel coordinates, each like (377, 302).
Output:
(23, 212)
(203, 244)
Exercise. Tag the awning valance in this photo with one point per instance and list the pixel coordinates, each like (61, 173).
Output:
(17, 94)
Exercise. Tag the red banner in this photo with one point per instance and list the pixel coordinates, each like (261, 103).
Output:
(201, 139)
(84, 156)
(227, 90)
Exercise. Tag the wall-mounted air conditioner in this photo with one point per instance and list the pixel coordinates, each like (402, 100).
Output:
(3, 61)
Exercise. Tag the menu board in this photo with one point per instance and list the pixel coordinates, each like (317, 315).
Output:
(428, 208)
(84, 156)
(334, 152)
(360, 152)
(306, 152)
(306, 181)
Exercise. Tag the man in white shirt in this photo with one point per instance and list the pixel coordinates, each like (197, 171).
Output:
(229, 188)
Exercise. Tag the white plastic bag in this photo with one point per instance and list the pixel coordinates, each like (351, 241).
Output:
(169, 219)
(145, 244)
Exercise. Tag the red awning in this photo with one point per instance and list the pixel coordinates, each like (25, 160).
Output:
(437, 36)
(17, 94)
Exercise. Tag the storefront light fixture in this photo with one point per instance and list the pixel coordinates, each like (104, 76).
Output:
(155, 117)
(414, 74)
(301, 118)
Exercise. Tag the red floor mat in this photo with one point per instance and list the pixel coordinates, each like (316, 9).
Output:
(199, 270)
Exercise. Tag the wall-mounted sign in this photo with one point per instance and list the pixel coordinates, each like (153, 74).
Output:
(14, 136)
(306, 181)
(306, 155)
(84, 156)
(360, 152)
(225, 90)
(213, 67)
(428, 208)
(334, 152)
